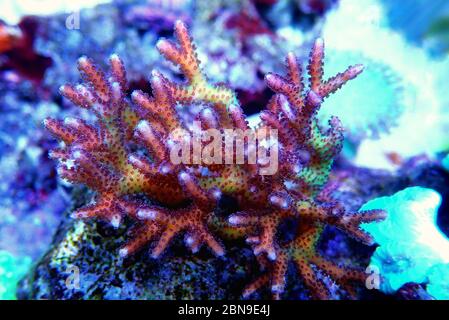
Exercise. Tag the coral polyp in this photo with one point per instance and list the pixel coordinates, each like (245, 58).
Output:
(128, 153)
(379, 80)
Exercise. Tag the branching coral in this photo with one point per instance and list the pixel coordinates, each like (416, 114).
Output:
(104, 158)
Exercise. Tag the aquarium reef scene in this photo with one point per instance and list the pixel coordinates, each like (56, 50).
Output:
(224, 150)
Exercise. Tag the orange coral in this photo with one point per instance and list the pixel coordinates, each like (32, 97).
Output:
(101, 158)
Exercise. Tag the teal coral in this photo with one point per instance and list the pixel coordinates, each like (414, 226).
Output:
(438, 282)
(411, 245)
(378, 80)
(12, 269)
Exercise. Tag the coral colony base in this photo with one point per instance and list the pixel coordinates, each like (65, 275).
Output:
(126, 154)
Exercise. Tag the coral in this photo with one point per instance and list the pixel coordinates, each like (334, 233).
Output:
(377, 80)
(412, 248)
(104, 275)
(128, 154)
(11, 270)
(438, 282)
(362, 28)
(92, 245)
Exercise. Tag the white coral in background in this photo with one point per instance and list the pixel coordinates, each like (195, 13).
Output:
(358, 26)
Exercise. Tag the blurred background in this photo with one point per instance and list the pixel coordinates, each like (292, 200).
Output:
(396, 111)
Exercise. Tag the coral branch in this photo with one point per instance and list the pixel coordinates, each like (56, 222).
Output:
(198, 89)
(190, 220)
(127, 154)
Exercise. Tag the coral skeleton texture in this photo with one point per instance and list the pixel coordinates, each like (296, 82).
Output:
(126, 154)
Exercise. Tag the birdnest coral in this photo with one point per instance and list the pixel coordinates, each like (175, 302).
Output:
(130, 151)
